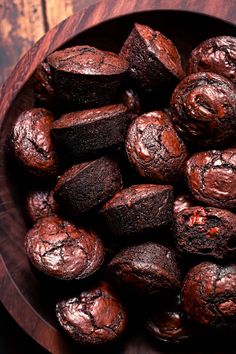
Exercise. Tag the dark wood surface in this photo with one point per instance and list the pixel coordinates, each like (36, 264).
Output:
(29, 298)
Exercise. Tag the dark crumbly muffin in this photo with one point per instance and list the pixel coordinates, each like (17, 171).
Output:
(211, 177)
(204, 109)
(155, 149)
(148, 268)
(206, 231)
(92, 131)
(31, 142)
(153, 59)
(88, 185)
(139, 208)
(43, 86)
(217, 54)
(96, 316)
(166, 321)
(86, 76)
(209, 294)
(40, 203)
(60, 249)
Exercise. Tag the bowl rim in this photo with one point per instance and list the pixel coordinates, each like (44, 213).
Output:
(46, 335)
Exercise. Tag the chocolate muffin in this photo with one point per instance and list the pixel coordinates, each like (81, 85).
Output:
(87, 77)
(31, 142)
(60, 249)
(96, 316)
(155, 149)
(206, 231)
(217, 54)
(182, 202)
(131, 100)
(92, 131)
(211, 176)
(166, 321)
(40, 203)
(204, 109)
(139, 208)
(149, 268)
(153, 59)
(88, 185)
(209, 294)
(43, 86)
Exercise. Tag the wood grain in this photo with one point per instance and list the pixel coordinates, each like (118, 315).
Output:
(22, 24)
(23, 294)
(57, 11)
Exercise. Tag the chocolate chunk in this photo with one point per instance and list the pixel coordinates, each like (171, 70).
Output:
(204, 109)
(31, 142)
(60, 249)
(153, 59)
(88, 185)
(87, 77)
(148, 268)
(209, 294)
(40, 203)
(206, 231)
(216, 54)
(139, 208)
(96, 316)
(211, 177)
(155, 149)
(92, 131)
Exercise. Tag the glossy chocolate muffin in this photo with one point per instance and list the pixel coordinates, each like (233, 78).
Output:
(96, 316)
(154, 148)
(153, 59)
(206, 231)
(166, 321)
(209, 294)
(217, 54)
(139, 208)
(60, 249)
(204, 108)
(31, 142)
(43, 86)
(89, 132)
(88, 185)
(87, 77)
(40, 203)
(182, 202)
(211, 176)
(149, 268)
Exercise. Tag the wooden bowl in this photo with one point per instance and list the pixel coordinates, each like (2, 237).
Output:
(28, 299)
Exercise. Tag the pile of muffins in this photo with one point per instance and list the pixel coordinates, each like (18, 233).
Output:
(133, 184)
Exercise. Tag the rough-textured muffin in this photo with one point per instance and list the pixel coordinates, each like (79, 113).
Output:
(149, 268)
(217, 54)
(88, 185)
(89, 132)
(96, 316)
(206, 231)
(139, 208)
(60, 249)
(87, 77)
(154, 148)
(153, 59)
(211, 176)
(43, 86)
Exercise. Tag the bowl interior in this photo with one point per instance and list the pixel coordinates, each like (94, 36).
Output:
(186, 30)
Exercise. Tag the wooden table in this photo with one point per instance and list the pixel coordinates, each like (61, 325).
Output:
(23, 22)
